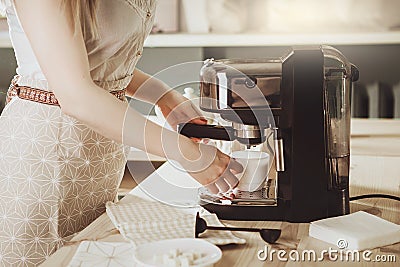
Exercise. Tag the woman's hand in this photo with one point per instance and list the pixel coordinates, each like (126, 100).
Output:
(178, 109)
(219, 175)
(212, 168)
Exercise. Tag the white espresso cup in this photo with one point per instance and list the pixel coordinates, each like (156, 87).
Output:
(255, 169)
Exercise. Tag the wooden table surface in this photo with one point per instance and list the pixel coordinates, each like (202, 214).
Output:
(295, 236)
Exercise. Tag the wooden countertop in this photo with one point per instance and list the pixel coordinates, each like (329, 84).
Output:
(294, 237)
(376, 169)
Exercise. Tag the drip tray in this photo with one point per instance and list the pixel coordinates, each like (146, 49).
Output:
(243, 198)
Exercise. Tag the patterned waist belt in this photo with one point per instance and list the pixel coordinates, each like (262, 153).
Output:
(42, 96)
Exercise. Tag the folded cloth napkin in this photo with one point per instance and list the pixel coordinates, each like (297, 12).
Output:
(102, 254)
(358, 231)
(143, 221)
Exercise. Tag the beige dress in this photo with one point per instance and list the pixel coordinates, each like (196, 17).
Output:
(55, 173)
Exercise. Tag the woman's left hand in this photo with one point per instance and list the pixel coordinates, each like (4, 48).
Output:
(178, 109)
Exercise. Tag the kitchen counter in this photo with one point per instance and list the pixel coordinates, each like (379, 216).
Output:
(374, 163)
(294, 236)
(374, 169)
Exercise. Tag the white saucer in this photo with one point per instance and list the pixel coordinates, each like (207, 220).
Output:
(151, 254)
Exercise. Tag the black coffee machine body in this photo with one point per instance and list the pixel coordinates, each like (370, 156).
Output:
(300, 103)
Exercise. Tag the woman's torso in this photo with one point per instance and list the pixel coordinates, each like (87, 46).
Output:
(56, 174)
(122, 25)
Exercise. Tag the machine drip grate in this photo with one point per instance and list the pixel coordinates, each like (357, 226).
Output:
(260, 194)
(255, 198)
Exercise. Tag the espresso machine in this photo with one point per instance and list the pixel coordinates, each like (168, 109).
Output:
(299, 104)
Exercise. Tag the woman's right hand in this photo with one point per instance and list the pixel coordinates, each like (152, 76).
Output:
(218, 172)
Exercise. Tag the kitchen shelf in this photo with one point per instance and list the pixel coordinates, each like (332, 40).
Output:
(253, 40)
(248, 40)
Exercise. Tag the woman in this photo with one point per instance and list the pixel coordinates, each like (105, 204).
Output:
(61, 152)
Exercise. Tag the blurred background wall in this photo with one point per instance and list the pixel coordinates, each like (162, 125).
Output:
(379, 85)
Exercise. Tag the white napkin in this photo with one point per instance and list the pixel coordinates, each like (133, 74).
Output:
(358, 231)
(143, 221)
(102, 254)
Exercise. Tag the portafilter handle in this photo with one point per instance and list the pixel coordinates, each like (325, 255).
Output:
(216, 132)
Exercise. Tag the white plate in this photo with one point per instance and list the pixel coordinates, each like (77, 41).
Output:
(151, 254)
